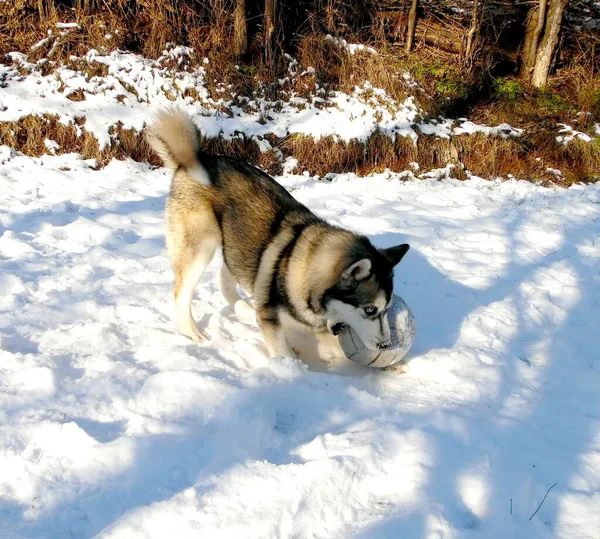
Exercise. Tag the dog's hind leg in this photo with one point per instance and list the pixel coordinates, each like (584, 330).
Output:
(228, 288)
(189, 268)
(192, 235)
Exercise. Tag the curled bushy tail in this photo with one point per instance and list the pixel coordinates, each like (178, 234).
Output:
(174, 137)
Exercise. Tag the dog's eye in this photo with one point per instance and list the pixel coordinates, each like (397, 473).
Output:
(370, 311)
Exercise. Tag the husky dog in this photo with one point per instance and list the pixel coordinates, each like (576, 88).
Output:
(301, 271)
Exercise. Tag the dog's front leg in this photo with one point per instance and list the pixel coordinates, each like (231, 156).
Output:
(274, 336)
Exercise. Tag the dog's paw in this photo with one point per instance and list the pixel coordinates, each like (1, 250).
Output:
(244, 310)
(399, 367)
(284, 353)
(194, 333)
(335, 329)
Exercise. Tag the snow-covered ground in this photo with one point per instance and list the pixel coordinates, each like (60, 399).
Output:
(113, 425)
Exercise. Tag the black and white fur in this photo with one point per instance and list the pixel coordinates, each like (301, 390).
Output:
(301, 271)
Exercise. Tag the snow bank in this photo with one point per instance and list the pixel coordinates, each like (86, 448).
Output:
(134, 87)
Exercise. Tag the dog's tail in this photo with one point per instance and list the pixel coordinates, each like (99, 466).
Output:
(174, 137)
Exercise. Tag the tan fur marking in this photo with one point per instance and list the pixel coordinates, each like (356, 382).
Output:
(316, 266)
(267, 267)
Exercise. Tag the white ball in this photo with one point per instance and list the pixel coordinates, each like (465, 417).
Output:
(403, 333)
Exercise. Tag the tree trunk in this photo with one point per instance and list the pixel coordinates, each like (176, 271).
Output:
(533, 31)
(473, 32)
(412, 24)
(240, 29)
(548, 44)
(269, 27)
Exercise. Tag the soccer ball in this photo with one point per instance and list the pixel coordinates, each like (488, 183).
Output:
(403, 332)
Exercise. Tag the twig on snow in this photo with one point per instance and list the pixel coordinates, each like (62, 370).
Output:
(541, 503)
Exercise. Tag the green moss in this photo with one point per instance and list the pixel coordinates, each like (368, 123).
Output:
(505, 89)
(452, 87)
(249, 71)
(549, 101)
(445, 78)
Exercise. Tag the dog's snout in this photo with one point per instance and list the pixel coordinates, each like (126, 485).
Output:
(383, 345)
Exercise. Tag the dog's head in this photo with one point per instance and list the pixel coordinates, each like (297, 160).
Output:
(363, 294)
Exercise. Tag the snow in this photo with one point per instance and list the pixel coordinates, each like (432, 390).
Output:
(502, 130)
(567, 134)
(42, 42)
(135, 87)
(51, 145)
(112, 425)
(351, 48)
(554, 171)
(67, 25)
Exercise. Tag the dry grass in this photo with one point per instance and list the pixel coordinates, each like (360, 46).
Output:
(146, 27)
(489, 157)
(328, 155)
(337, 69)
(530, 157)
(29, 134)
(244, 148)
(579, 160)
(439, 83)
(526, 157)
(35, 28)
(434, 152)
(317, 156)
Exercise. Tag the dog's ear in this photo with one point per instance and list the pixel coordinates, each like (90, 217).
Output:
(358, 271)
(395, 254)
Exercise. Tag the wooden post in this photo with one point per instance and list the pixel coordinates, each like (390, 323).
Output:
(412, 25)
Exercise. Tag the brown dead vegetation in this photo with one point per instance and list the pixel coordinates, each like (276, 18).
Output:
(526, 157)
(30, 134)
(442, 84)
